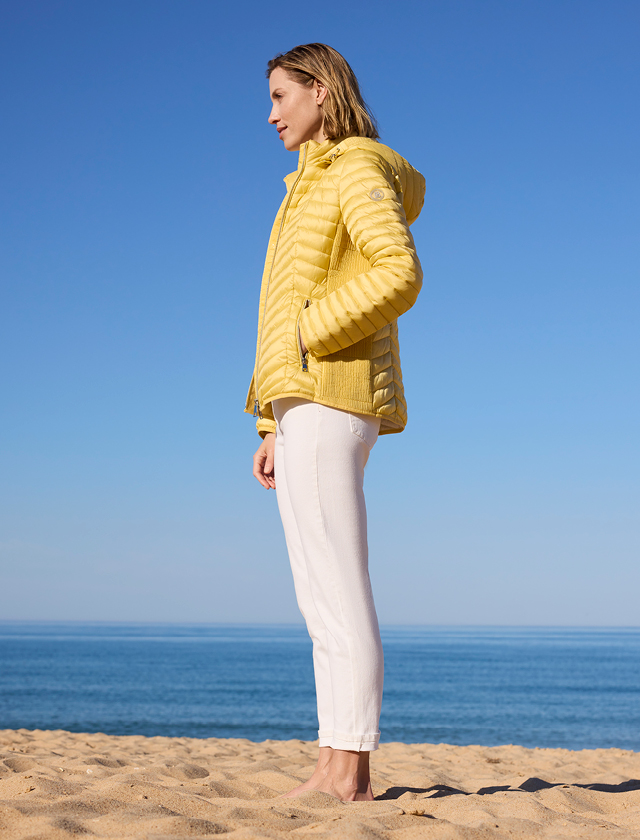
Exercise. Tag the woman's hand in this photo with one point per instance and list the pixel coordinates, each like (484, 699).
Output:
(263, 462)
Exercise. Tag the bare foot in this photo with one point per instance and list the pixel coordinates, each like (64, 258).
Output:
(345, 792)
(340, 773)
(317, 776)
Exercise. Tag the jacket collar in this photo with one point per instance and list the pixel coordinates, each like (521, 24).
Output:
(321, 155)
(317, 154)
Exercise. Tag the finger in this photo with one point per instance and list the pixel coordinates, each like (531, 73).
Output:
(258, 471)
(268, 464)
(269, 477)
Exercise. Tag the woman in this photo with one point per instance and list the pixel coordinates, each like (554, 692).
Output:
(341, 267)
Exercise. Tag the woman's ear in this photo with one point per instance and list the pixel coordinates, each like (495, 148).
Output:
(321, 92)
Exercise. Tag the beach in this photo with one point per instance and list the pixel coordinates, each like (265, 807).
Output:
(57, 784)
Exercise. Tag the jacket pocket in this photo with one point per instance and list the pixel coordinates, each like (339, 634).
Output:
(304, 357)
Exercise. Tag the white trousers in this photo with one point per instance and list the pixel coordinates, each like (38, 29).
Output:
(320, 458)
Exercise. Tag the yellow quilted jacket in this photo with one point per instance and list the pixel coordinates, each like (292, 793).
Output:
(341, 267)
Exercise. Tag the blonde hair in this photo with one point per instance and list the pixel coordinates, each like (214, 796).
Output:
(345, 112)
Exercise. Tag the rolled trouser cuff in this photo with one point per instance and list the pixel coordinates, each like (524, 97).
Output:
(355, 743)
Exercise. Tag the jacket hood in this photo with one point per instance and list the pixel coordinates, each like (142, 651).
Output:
(411, 183)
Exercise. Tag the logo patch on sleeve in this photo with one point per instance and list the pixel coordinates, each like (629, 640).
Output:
(376, 195)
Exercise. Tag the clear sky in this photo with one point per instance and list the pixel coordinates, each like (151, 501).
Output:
(139, 183)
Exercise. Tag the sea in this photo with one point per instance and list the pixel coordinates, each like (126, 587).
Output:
(577, 688)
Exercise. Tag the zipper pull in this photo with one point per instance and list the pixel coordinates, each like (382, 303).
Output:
(304, 357)
(256, 409)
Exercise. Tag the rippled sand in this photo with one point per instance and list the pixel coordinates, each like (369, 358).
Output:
(61, 784)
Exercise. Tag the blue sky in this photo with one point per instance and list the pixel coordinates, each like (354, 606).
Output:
(140, 178)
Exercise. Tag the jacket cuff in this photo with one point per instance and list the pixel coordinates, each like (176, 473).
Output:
(265, 425)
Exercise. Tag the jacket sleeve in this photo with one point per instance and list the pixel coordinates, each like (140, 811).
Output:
(377, 225)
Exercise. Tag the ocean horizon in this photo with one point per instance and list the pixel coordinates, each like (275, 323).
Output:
(570, 687)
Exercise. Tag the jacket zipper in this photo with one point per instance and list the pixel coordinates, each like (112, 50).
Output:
(304, 357)
(256, 402)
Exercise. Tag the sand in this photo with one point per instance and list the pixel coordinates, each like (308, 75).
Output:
(56, 784)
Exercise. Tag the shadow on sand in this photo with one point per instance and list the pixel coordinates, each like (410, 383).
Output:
(531, 785)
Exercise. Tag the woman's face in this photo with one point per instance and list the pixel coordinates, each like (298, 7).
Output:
(297, 110)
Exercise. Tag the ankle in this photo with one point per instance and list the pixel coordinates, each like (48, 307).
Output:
(324, 758)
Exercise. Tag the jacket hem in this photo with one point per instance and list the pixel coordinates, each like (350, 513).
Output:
(387, 425)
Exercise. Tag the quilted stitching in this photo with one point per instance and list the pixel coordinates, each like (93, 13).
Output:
(341, 242)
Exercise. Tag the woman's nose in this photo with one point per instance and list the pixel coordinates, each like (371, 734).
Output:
(273, 116)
